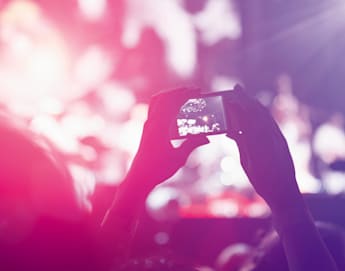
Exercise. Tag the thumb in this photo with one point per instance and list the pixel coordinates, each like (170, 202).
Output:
(191, 144)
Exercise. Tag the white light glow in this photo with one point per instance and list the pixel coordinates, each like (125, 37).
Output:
(112, 171)
(93, 10)
(79, 126)
(227, 208)
(50, 106)
(228, 163)
(226, 179)
(172, 23)
(50, 128)
(328, 149)
(334, 182)
(257, 209)
(86, 74)
(218, 21)
(117, 99)
(34, 60)
(47, 66)
(129, 136)
(223, 82)
(160, 197)
(84, 184)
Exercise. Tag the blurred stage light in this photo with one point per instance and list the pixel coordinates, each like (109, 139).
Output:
(330, 150)
(117, 99)
(307, 183)
(228, 163)
(112, 170)
(160, 197)
(47, 66)
(50, 128)
(161, 238)
(93, 67)
(224, 207)
(333, 182)
(163, 204)
(257, 209)
(50, 106)
(92, 10)
(173, 25)
(233, 255)
(125, 136)
(80, 124)
(139, 112)
(226, 179)
(84, 185)
(221, 82)
(128, 138)
(218, 21)
(18, 11)
(34, 60)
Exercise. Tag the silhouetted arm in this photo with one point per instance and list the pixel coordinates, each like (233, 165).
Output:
(156, 161)
(267, 161)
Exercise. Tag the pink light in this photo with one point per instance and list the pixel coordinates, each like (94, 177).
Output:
(92, 10)
(47, 66)
(226, 207)
(34, 60)
(85, 73)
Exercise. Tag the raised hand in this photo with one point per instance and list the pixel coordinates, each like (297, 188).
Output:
(156, 159)
(267, 161)
(264, 152)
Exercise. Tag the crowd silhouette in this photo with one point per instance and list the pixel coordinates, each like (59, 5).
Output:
(44, 228)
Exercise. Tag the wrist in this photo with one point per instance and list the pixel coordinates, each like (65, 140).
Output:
(284, 196)
(291, 217)
(138, 182)
(287, 203)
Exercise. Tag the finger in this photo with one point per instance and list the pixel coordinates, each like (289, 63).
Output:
(175, 91)
(172, 102)
(168, 103)
(246, 115)
(166, 107)
(251, 126)
(237, 104)
(178, 94)
(237, 120)
(189, 145)
(238, 88)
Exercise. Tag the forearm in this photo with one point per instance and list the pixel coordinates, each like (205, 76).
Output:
(120, 222)
(266, 158)
(303, 245)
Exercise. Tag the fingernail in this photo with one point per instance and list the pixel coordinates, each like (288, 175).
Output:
(238, 87)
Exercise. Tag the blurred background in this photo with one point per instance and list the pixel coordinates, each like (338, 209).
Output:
(81, 73)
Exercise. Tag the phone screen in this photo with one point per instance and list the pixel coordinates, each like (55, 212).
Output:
(202, 115)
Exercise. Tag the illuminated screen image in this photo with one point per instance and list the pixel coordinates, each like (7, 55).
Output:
(203, 115)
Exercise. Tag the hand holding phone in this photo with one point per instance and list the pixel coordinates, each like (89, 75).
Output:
(201, 115)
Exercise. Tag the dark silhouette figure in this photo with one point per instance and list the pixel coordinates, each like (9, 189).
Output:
(42, 226)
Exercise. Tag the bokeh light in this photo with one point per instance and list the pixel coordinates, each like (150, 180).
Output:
(84, 83)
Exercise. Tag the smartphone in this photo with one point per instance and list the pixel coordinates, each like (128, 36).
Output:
(201, 115)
